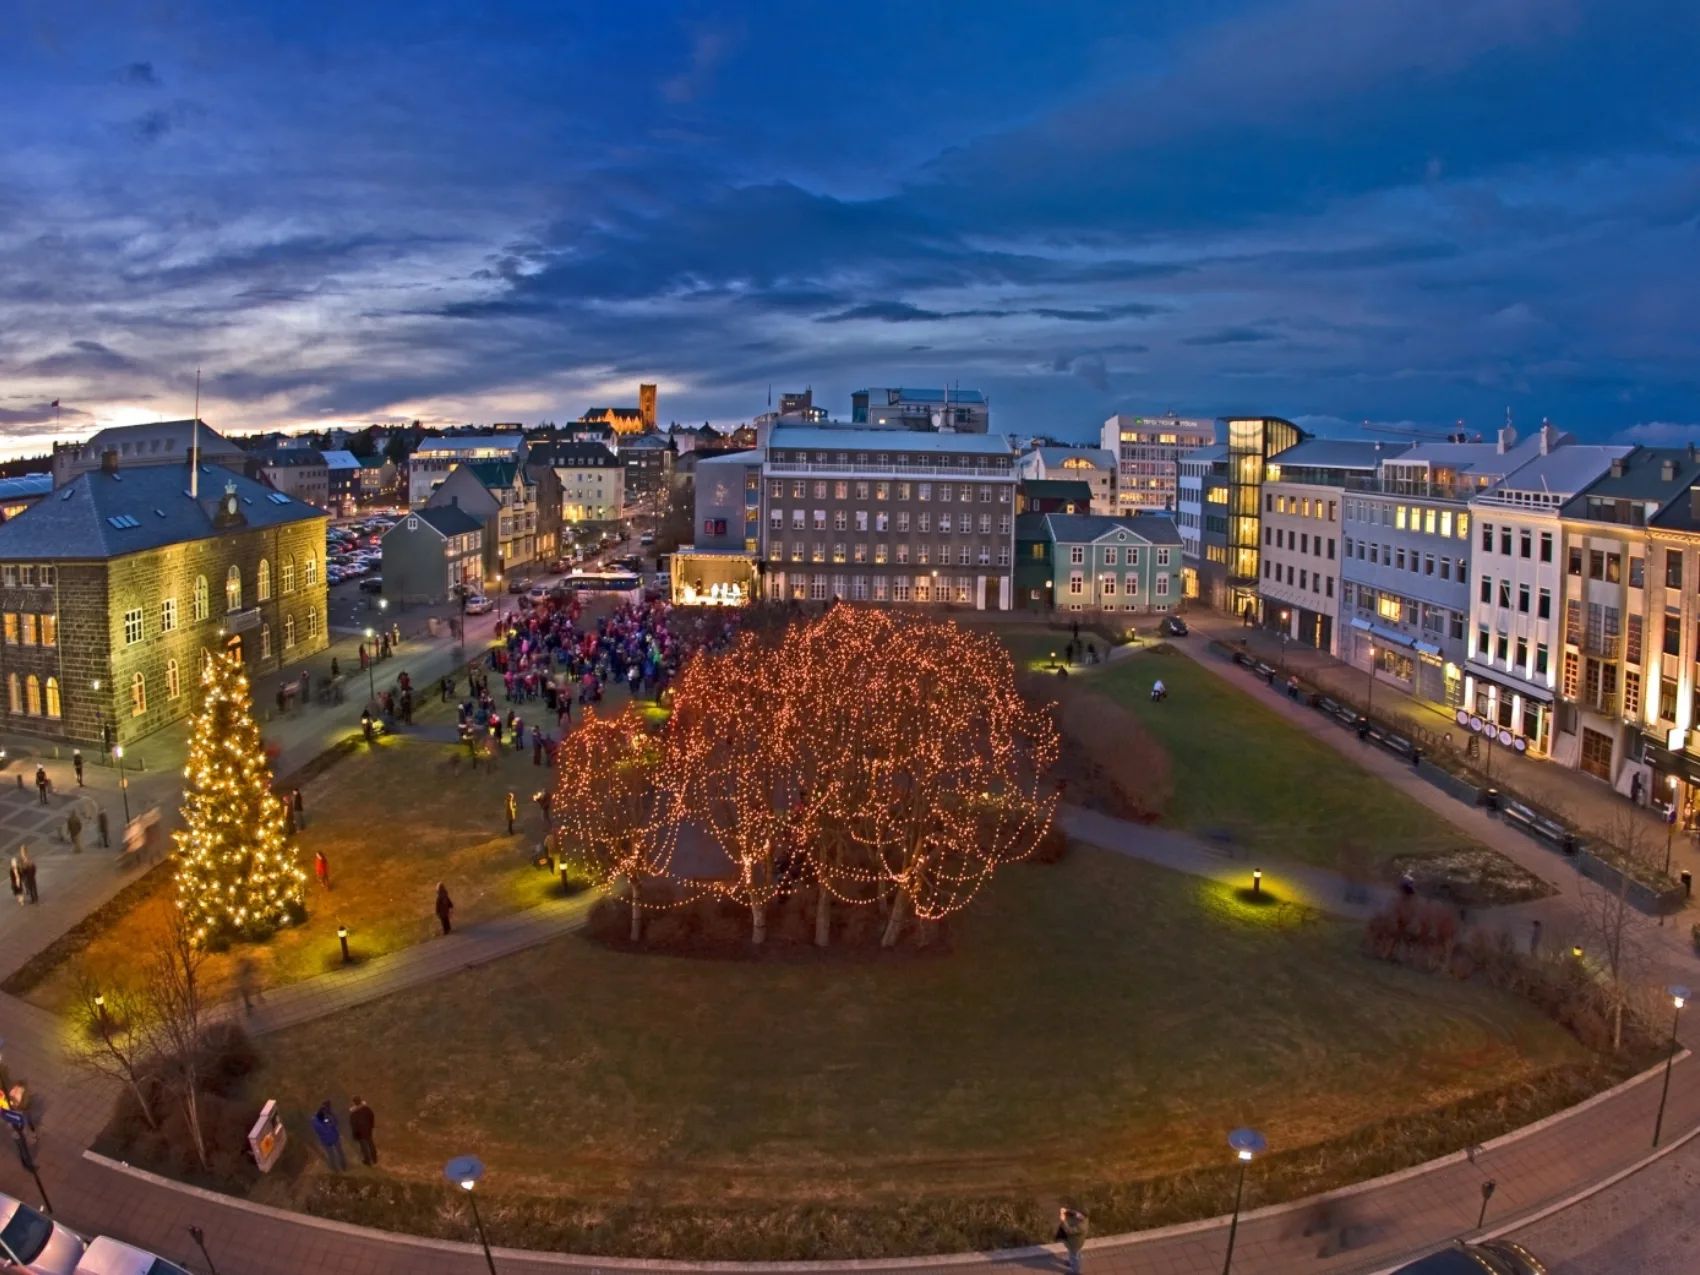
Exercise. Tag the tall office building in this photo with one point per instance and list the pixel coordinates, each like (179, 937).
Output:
(1148, 451)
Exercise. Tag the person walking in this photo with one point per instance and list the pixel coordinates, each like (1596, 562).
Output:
(74, 830)
(322, 868)
(1072, 1226)
(445, 906)
(77, 764)
(329, 1134)
(362, 1123)
(17, 881)
(246, 983)
(27, 865)
(42, 783)
(336, 669)
(105, 830)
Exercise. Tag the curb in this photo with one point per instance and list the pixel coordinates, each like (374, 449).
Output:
(1108, 1243)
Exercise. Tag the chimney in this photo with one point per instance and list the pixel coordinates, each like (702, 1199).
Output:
(1549, 438)
(109, 461)
(1667, 471)
(1617, 467)
(1694, 502)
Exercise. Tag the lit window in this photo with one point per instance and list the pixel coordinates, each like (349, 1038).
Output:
(138, 695)
(233, 588)
(32, 695)
(288, 632)
(173, 680)
(53, 709)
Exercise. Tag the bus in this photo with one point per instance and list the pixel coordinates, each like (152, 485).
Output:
(624, 583)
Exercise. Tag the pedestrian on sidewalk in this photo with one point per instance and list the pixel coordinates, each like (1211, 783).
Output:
(322, 868)
(42, 783)
(336, 669)
(513, 811)
(362, 1123)
(1072, 1226)
(77, 764)
(329, 1133)
(74, 830)
(445, 905)
(105, 830)
(27, 866)
(246, 983)
(363, 657)
(17, 881)
(300, 808)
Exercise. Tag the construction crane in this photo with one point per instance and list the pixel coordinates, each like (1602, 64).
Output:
(1456, 435)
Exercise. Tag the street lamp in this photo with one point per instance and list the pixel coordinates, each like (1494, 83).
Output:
(1369, 709)
(123, 783)
(465, 1171)
(1246, 1143)
(1284, 617)
(371, 659)
(1678, 994)
(1670, 820)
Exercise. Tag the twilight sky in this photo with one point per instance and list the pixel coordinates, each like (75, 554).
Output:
(1332, 210)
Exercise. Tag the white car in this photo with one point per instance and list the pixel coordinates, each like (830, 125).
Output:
(109, 1257)
(478, 604)
(31, 1241)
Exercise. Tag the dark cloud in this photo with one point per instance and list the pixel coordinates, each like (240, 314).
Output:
(884, 312)
(1238, 335)
(83, 358)
(140, 74)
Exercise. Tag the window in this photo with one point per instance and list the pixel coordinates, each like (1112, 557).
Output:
(1541, 660)
(1614, 568)
(1522, 601)
(1505, 593)
(1573, 622)
(924, 522)
(841, 491)
(1076, 555)
(1505, 541)
(1162, 582)
(861, 491)
(168, 615)
(1546, 546)
(52, 704)
(288, 632)
(1162, 557)
(1575, 566)
(14, 694)
(310, 572)
(799, 518)
(1487, 589)
(1525, 543)
(1503, 654)
(1632, 639)
(1673, 568)
(32, 695)
(50, 630)
(882, 521)
(775, 521)
(32, 628)
(838, 553)
(861, 520)
(138, 695)
(174, 681)
(11, 628)
(1667, 698)
(132, 627)
(840, 520)
(286, 575)
(200, 598)
(263, 579)
(820, 520)
(903, 553)
(313, 619)
(1673, 632)
(1107, 585)
(233, 588)
(1570, 678)
(1487, 537)
(1110, 556)
(1544, 606)
(1076, 582)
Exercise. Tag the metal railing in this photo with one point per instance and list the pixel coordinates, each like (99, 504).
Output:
(849, 470)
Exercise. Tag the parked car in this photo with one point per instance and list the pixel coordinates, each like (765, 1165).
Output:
(560, 567)
(109, 1257)
(372, 584)
(478, 604)
(519, 584)
(1174, 626)
(648, 538)
(1490, 1257)
(31, 1241)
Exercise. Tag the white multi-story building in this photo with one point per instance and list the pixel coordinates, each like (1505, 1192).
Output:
(593, 479)
(1148, 452)
(1519, 601)
(435, 458)
(1195, 472)
(1091, 465)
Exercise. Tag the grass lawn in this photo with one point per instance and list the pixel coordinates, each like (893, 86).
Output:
(1240, 767)
(392, 821)
(1098, 1020)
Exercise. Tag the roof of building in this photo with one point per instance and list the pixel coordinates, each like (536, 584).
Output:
(1031, 527)
(25, 485)
(341, 459)
(909, 394)
(1643, 479)
(168, 437)
(1216, 451)
(492, 473)
(1057, 489)
(1563, 471)
(1155, 529)
(448, 520)
(566, 453)
(287, 457)
(1056, 456)
(373, 462)
(635, 442)
(619, 413)
(805, 437)
(1339, 453)
(101, 515)
(448, 444)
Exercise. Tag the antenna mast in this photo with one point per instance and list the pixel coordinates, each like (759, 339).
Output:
(195, 443)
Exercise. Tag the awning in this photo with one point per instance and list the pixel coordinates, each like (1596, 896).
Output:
(1510, 685)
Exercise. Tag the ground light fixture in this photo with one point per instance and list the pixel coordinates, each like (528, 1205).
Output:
(1679, 996)
(342, 938)
(465, 1171)
(1246, 1143)
(1257, 880)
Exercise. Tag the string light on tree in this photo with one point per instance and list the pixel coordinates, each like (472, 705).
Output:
(237, 875)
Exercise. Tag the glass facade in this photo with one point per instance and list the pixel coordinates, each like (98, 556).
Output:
(1252, 441)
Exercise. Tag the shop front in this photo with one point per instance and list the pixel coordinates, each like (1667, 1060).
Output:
(1513, 707)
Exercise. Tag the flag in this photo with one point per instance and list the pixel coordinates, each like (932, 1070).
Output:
(55, 403)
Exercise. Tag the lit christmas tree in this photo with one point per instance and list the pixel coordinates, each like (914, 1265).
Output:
(236, 872)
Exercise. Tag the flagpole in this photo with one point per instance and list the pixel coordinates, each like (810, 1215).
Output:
(195, 443)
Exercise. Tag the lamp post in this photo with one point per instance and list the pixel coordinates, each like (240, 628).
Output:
(1284, 618)
(465, 1171)
(123, 783)
(1678, 994)
(1670, 821)
(1246, 1143)
(99, 717)
(1369, 709)
(200, 1238)
(371, 659)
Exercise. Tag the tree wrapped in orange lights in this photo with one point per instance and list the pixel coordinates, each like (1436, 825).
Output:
(870, 755)
(608, 808)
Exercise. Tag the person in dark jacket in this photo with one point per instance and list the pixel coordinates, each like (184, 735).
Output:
(329, 1134)
(361, 1123)
(445, 906)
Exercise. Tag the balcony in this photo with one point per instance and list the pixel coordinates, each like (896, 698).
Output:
(851, 470)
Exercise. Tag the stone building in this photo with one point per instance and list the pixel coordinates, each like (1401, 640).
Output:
(161, 443)
(114, 588)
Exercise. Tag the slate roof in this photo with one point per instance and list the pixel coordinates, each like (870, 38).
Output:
(286, 457)
(101, 515)
(1031, 527)
(341, 460)
(493, 473)
(573, 454)
(449, 520)
(1086, 528)
(1057, 489)
(1338, 453)
(887, 440)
